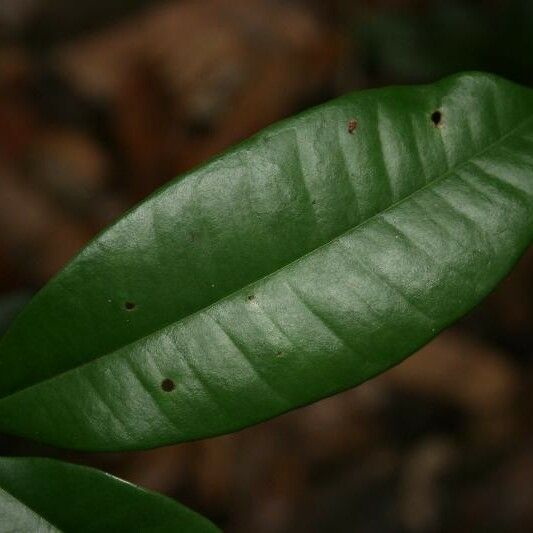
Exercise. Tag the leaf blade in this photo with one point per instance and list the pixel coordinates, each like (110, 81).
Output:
(48, 495)
(405, 217)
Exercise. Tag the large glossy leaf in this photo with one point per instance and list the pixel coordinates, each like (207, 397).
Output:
(43, 495)
(300, 263)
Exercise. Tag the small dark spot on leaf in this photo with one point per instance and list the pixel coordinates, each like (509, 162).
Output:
(436, 118)
(130, 306)
(251, 297)
(352, 125)
(168, 385)
(279, 354)
(313, 202)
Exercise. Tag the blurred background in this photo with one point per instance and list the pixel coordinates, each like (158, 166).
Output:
(102, 102)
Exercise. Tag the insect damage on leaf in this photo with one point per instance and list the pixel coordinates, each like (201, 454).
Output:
(436, 118)
(168, 385)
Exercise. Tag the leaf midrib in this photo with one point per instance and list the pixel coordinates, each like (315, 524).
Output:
(439, 179)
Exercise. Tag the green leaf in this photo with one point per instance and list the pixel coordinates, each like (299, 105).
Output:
(300, 263)
(41, 495)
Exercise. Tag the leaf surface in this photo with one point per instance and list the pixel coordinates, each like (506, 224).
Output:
(300, 263)
(44, 495)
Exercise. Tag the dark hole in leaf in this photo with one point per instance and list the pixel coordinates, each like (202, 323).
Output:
(168, 385)
(130, 306)
(436, 118)
(352, 125)
(251, 298)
